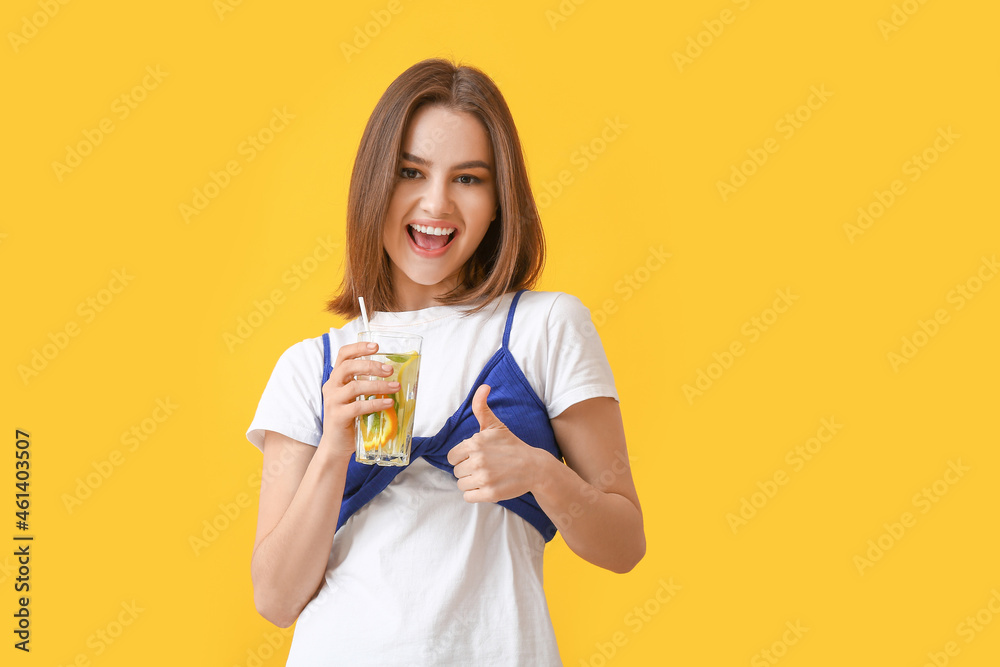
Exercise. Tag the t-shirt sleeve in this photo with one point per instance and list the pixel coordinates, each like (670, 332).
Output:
(576, 366)
(292, 399)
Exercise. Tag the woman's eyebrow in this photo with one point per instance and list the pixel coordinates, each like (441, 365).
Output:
(461, 165)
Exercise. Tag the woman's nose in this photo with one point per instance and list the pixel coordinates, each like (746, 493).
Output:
(436, 199)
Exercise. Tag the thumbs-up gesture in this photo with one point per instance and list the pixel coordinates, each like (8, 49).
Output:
(493, 464)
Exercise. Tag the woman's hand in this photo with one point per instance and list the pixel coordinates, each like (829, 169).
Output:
(340, 393)
(493, 464)
(591, 499)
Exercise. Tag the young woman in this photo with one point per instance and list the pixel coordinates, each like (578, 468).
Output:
(440, 562)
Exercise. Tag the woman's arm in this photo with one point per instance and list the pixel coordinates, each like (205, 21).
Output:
(300, 494)
(592, 500)
(302, 487)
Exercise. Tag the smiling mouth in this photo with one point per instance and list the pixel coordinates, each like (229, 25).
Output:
(430, 238)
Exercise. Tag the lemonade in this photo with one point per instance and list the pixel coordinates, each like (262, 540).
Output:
(383, 438)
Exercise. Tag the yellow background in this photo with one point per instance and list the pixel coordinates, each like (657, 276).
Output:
(680, 131)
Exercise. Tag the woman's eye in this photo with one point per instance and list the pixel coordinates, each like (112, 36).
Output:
(408, 172)
(466, 179)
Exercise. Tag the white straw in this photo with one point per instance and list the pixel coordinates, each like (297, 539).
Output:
(364, 313)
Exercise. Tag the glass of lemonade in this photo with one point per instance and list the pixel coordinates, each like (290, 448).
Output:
(383, 438)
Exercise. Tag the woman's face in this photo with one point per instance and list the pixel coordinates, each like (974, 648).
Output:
(442, 204)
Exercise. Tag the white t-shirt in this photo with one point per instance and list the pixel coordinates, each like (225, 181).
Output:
(418, 576)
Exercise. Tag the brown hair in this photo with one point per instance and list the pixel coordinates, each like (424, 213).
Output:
(511, 255)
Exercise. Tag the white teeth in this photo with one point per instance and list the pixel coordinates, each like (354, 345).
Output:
(433, 231)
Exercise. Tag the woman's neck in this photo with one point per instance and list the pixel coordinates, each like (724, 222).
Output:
(414, 296)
